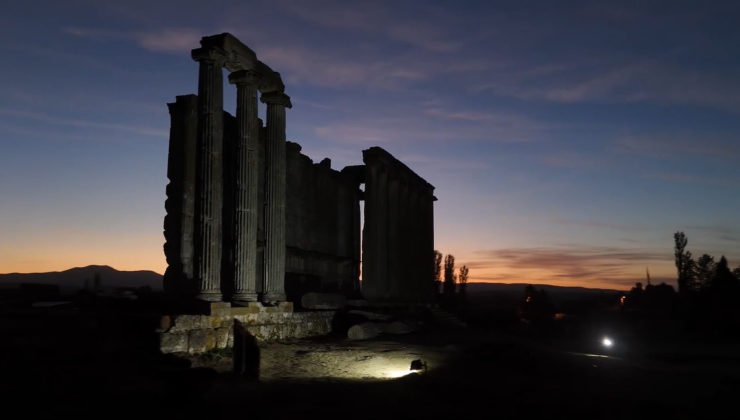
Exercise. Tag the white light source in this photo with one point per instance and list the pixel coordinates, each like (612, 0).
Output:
(607, 342)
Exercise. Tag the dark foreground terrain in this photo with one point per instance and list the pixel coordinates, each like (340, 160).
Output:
(471, 373)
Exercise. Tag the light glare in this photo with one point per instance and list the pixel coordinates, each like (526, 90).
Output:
(607, 342)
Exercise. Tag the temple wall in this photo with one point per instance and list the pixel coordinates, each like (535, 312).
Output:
(320, 228)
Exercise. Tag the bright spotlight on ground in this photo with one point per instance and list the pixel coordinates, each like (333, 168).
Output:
(606, 342)
(398, 373)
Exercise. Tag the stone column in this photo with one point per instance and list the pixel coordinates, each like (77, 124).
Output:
(404, 239)
(369, 234)
(178, 222)
(414, 245)
(430, 246)
(246, 177)
(275, 196)
(357, 238)
(382, 234)
(209, 174)
(395, 259)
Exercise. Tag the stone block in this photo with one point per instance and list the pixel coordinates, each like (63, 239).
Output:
(174, 342)
(248, 305)
(244, 310)
(214, 321)
(209, 308)
(181, 323)
(222, 337)
(223, 312)
(210, 339)
(197, 341)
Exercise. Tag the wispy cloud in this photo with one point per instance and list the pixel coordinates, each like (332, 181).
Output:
(574, 160)
(301, 101)
(435, 162)
(694, 179)
(82, 123)
(597, 224)
(171, 40)
(668, 144)
(428, 28)
(584, 264)
(168, 40)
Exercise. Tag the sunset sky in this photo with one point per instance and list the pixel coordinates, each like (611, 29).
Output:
(567, 140)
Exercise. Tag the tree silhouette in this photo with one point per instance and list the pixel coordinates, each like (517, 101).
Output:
(724, 282)
(449, 273)
(680, 258)
(463, 280)
(437, 268)
(736, 272)
(688, 273)
(705, 270)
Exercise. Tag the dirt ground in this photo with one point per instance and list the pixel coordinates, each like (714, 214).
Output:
(470, 373)
(337, 359)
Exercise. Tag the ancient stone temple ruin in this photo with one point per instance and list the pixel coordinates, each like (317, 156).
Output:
(253, 223)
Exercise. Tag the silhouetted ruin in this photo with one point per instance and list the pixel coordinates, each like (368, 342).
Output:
(249, 217)
(252, 222)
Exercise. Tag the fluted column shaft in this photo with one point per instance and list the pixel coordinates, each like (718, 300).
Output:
(245, 195)
(209, 175)
(275, 161)
(382, 238)
(403, 238)
(432, 285)
(369, 235)
(394, 241)
(178, 222)
(414, 245)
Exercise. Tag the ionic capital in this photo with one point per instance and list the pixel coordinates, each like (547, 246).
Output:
(210, 54)
(276, 98)
(245, 77)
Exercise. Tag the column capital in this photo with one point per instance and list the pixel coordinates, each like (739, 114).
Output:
(212, 54)
(245, 77)
(276, 98)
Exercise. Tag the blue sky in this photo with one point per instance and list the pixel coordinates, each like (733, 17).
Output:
(567, 140)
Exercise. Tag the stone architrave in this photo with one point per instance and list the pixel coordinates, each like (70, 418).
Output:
(245, 212)
(275, 181)
(209, 175)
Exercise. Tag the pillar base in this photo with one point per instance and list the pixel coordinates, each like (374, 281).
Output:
(273, 297)
(210, 297)
(245, 298)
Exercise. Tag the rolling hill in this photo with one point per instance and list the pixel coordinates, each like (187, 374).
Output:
(74, 279)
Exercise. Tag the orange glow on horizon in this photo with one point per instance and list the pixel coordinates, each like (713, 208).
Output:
(148, 255)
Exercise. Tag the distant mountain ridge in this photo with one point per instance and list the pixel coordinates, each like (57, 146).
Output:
(74, 279)
(519, 288)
